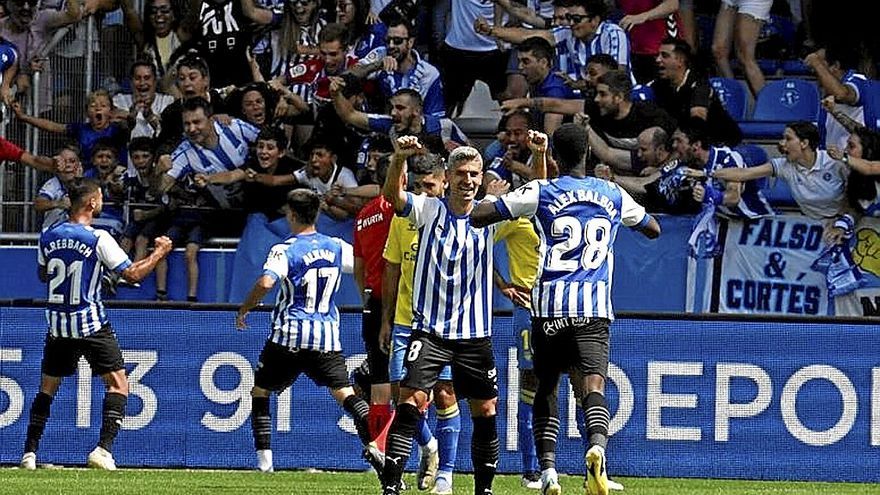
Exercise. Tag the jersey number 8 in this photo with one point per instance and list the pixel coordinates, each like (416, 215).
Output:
(596, 235)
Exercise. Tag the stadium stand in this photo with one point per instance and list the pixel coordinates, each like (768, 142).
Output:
(733, 95)
(778, 103)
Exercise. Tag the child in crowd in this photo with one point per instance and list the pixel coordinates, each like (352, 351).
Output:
(99, 125)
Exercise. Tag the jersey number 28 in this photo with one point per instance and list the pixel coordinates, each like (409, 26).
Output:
(592, 239)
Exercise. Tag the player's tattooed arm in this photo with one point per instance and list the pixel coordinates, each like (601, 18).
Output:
(139, 270)
(485, 214)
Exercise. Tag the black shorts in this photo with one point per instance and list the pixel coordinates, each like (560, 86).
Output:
(101, 350)
(280, 366)
(371, 325)
(182, 234)
(473, 365)
(562, 344)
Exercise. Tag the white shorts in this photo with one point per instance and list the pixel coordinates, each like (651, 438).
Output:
(759, 9)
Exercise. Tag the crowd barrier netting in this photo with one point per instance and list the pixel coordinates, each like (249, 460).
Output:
(690, 397)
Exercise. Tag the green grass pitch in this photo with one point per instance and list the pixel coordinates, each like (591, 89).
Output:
(186, 482)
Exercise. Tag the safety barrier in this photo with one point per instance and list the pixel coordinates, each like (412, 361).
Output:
(695, 396)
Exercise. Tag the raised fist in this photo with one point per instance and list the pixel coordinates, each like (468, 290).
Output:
(867, 251)
(407, 146)
(163, 245)
(537, 142)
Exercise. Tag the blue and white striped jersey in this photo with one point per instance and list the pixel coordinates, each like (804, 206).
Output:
(572, 54)
(73, 256)
(577, 221)
(831, 132)
(752, 203)
(452, 284)
(422, 77)
(309, 267)
(53, 190)
(229, 154)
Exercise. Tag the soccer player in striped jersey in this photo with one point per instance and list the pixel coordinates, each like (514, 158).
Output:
(522, 251)
(452, 305)
(72, 257)
(305, 323)
(437, 455)
(576, 217)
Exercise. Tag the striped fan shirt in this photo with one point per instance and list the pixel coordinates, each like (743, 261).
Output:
(572, 54)
(229, 154)
(310, 267)
(73, 256)
(577, 221)
(752, 203)
(452, 284)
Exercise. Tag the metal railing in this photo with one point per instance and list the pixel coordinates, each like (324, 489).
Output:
(78, 63)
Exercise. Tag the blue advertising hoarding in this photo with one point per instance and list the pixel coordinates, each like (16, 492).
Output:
(716, 398)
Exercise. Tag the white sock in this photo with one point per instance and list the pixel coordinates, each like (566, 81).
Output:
(431, 446)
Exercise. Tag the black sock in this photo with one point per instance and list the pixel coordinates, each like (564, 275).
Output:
(358, 409)
(399, 443)
(114, 411)
(40, 410)
(261, 423)
(545, 422)
(597, 417)
(485, 450)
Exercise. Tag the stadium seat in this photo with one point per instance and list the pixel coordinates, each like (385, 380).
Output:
(795, 68)
(480, 114)
(733, 96)
(779, 103)
(753, 156)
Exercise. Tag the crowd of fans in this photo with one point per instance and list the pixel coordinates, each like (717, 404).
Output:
(229, 104)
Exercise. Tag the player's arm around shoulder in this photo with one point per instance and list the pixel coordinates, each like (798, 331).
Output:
(634, 215)
(521, 202)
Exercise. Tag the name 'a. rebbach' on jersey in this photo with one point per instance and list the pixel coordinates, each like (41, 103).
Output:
(310, 268)
(74, 256)
(577, 221)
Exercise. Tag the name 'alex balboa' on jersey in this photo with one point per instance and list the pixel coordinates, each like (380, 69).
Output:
(577, 221)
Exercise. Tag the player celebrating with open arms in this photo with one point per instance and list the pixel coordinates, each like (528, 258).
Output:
(305, 323)
(452, 308)
(72, 258)
(577, 218)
